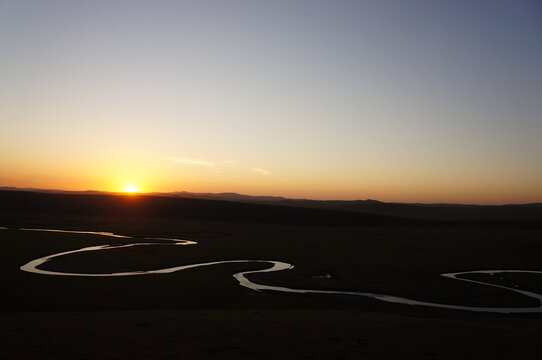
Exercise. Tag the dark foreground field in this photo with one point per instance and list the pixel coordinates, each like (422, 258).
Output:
(203, 313)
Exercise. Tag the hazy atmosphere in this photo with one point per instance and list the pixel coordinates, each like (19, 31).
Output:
(270, 179)
(418, 101)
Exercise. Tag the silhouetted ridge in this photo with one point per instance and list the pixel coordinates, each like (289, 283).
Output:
(314, 212)
(182, 208)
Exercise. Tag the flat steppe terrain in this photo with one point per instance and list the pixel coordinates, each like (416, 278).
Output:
(203, 313)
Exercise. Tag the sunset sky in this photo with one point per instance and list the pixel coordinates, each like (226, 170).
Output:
(410, 101)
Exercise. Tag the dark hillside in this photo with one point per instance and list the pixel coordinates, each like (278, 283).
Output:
(305, 212)
(182, 208)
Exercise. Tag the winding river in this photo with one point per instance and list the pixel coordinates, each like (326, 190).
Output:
(242, 277)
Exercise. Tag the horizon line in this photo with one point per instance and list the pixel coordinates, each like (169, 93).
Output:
(278, 197)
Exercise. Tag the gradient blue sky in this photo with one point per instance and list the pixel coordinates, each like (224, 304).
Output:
(430, 101)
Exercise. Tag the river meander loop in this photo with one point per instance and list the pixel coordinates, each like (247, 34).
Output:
(242, 277)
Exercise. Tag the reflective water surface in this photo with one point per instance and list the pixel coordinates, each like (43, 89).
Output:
(242, 277)
(79, 232)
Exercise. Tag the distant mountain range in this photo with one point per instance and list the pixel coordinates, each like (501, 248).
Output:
(231, 196)
(53, 191)
(227, 196)
(444, 212)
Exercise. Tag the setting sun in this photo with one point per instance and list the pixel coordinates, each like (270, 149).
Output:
(130, 189)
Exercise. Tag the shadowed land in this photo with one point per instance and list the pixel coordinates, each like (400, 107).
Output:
(262, 210)
(204, 313)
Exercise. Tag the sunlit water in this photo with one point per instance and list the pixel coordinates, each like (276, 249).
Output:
(242, 277)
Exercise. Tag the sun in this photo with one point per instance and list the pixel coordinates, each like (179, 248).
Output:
(130, 189)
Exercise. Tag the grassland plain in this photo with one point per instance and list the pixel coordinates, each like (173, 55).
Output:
(204, 313)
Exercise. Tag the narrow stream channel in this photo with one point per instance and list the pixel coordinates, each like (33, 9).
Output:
(242, 277)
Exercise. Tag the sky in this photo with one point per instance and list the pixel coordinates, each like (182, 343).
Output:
(407, 101)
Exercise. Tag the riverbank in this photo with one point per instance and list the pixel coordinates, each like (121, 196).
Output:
(203, 313)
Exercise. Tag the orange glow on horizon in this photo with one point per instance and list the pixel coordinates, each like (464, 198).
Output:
(142, 177)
